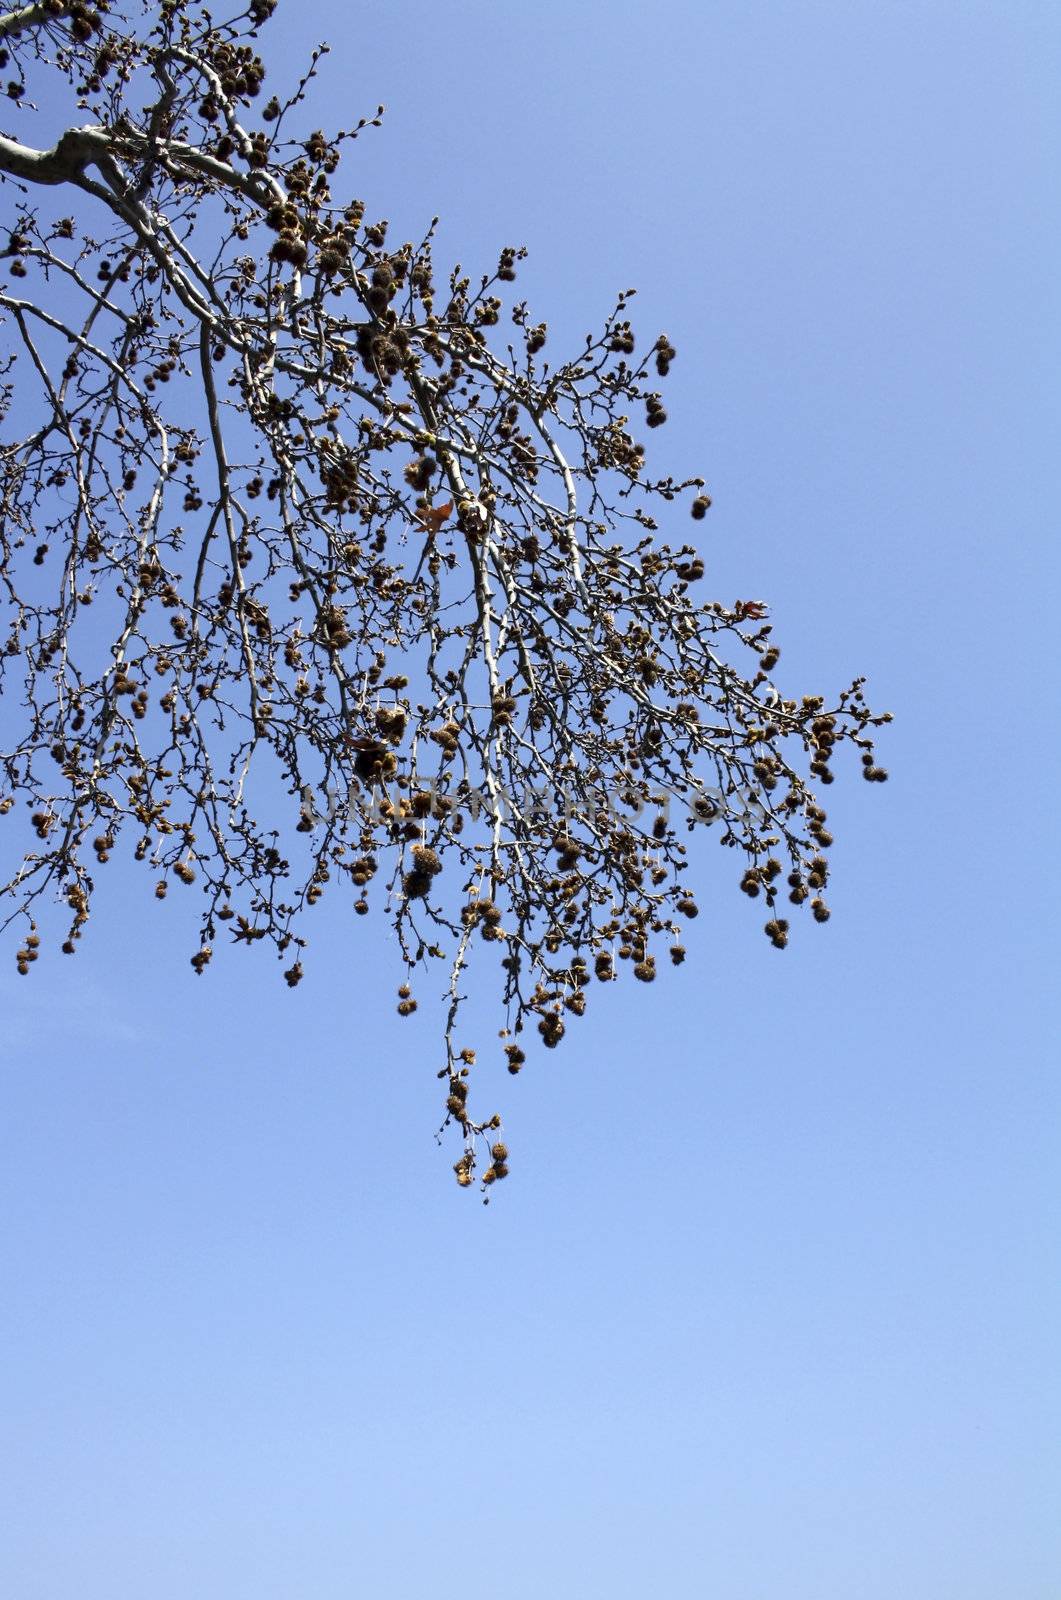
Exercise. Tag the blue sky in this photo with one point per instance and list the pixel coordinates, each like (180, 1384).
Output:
(768, 1309)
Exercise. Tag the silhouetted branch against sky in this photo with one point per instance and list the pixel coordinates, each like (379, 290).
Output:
(323, 572)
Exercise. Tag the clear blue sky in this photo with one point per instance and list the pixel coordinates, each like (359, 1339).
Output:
(769, 1307)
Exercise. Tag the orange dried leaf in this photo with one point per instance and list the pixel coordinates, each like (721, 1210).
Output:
(432, 518)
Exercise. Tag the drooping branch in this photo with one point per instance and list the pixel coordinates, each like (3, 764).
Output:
(311, 581)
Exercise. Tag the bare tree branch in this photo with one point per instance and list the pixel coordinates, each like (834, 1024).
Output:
(310, 580)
